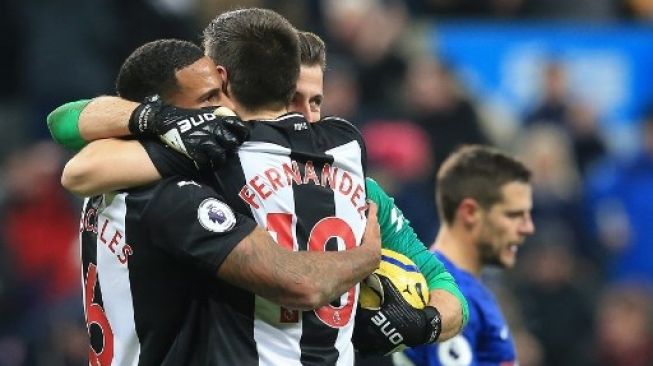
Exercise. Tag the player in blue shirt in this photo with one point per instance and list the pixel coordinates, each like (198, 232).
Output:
(484, 201)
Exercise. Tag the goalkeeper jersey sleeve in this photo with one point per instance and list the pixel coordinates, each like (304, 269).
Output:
(399, 236)
(63, 124)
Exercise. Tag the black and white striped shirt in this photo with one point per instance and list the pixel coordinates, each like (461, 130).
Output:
(303, 182)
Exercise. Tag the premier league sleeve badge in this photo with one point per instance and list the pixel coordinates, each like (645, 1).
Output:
(215, 215)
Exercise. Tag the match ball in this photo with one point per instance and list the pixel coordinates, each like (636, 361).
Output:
(403, 273)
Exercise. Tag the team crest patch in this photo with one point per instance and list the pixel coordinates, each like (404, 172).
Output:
(215, 216)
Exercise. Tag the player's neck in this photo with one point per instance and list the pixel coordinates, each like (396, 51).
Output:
(457, 245)
(260, 114)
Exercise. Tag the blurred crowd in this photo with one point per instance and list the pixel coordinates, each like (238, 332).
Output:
(582, 292)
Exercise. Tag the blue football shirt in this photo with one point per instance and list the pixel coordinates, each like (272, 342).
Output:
(485, 341)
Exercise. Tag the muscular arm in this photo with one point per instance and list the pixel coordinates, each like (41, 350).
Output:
(300, 280)
(178, 221)
(449, 307)
(74, 124)
(398, 235)
(108, 165)
(106, 117)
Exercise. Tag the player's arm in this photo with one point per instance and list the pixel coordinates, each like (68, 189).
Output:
(75, 124)
(206, 140)
(108, 165)
(246, 256)
(301, 280)
(398, 235)
(94, 169)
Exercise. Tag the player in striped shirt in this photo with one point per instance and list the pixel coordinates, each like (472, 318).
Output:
(150, 295)
(88, 177)
(397, 232)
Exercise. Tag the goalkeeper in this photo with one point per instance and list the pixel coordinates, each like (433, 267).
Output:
(74, 124)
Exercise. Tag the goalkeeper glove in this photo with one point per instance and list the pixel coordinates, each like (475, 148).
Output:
(395, 325)
(200, 134)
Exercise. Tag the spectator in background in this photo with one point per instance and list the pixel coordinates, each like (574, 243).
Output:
(554, 297)
(343, 91)
(589, 147)
(399, 157)
(553, 106)
(475, 8)
(638, 9)
(548, 151)
(97, 35)
(625, 326)
(39, 225)
(564, 9)
(434, 100)
(576, 118)
(89, 28)
(620, 201)
(528, 346)
(367, 33)
(40, 233)
(436, 103)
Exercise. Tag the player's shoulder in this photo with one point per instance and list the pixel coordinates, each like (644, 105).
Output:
(182, 183)
(337, 131)
(476, 292)
(337, 124)
(294, 125)
(181, 186)
(473, 289)
(376, 193)
(370, 183)
(179, 197)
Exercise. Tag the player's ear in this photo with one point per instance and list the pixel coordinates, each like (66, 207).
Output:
(224, 79)
(469, 212)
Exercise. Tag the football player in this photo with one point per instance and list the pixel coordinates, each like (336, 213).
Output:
(396, 231)
(484, 200)
(151, 254)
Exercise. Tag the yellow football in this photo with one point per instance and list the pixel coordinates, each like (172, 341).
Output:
(403, 273)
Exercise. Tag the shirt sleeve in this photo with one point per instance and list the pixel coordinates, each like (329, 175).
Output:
(191, 221)
(168, 162)
(63, 124)
(399, 236)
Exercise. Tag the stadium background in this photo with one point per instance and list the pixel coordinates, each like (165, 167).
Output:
(566, 85)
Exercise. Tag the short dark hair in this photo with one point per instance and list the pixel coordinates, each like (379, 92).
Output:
(260, 50)
(478, 172)
(151, 68)
(312, 49)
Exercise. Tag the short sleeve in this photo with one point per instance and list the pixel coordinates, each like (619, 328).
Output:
(190, 220)
(350, 130)
(168, 162)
